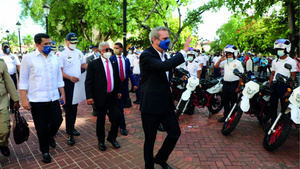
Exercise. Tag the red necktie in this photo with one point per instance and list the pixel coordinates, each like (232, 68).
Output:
(108, 77)
(122, 75)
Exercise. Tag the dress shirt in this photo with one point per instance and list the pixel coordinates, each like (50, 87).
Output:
(41, 76)
(111, 71)
(123, 62)
(228, 70)
(11, 62)
(136, 66)
(278, 66)
(71, 61)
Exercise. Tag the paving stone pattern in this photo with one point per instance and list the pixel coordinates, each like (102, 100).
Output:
(201, 146)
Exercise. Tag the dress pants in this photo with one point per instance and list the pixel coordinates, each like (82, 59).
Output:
(70, 109)
(229, 96)
(47, 118)
(150, 124)
(11, 102)
(125, 96)
(112, 109)
(4, 120)
(203, 73)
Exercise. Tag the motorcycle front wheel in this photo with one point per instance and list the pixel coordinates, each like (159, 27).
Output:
(278, 137)
(216, 104)
(230, 125)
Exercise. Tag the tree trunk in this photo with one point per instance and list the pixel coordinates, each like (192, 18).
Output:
(291, 25)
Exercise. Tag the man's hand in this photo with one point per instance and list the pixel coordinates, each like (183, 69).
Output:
(119, 95)
(62, 100)
(187, 44)
(135, 88)
(16, 105)
(26, 104)
(74, 79)
(90, 101)
(223, 58)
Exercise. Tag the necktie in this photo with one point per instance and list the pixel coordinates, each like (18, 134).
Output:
(122, 75)
(108, 77)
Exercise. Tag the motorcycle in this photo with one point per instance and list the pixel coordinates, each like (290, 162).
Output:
(178, 83)
(279, 130)
(254, 100)
(200, 93)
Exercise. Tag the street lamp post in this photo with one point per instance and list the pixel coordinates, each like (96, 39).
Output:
(7, 35)
(124, 26)
(19, 27)
(46, 13)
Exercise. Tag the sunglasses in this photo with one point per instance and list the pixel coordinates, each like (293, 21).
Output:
(107, 50)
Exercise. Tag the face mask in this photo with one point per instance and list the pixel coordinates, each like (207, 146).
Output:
(97, 54)
(6, 50)
(130, 52)
(190, 58)
(280, 53)
(46, 50)
(107, 55)
(72, 46)
(117, 51)
(164, 44)
(230, 60)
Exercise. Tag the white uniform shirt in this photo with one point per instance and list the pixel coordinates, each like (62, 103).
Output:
(203, 59)
(192, 68)
(123, 63)
(11, 62)
(110, 70)
(278, 66)
(136, 66)
(41, 76)
(71, 61)
(228, 70)
(216, 59)
(131, 58)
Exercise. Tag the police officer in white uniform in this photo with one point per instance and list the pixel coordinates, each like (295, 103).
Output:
(231, 82)
(193, 66)
(13, 65)
(71, 62)
(283, 48)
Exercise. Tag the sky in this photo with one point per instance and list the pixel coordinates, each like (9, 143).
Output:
(10, 14)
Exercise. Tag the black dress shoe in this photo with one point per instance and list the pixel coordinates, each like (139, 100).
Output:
(52, 143)
(124, 132)
(76, 133)
(102, 146)
(222, 119)
(164, 165)
(5, 151)
(114, 143)
(71, 140)
(46, 158)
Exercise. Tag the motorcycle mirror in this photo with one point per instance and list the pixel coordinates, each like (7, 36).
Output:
(236, 72)
(288, 66)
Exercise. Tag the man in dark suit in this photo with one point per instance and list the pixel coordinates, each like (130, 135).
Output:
(156, 101)
(102, 86)
(125, 73)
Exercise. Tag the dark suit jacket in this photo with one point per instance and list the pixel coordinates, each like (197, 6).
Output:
(155, 87)
(96, 84)
(128, 70)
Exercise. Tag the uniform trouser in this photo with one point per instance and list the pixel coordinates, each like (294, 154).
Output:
(217, 72)
(150, 124)
(203, 73)
(297, 79)
(262, 72)
(229, 96)
(4, 121)
(47, 118)
(278, 91)
(70, 109)
(138, 92)
(112, 109)
(11, 102)
(125, 96)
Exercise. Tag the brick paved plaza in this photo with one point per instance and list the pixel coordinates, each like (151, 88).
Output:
(201, 145)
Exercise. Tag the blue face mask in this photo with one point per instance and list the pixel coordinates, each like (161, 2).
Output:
(97, 54)
(230, 59)
(164, 44)
(47, 50)
(280, 53)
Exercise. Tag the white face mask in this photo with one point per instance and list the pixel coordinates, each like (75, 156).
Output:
(280, 53)
(72, 46)
(107, 55)
(190, 58)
